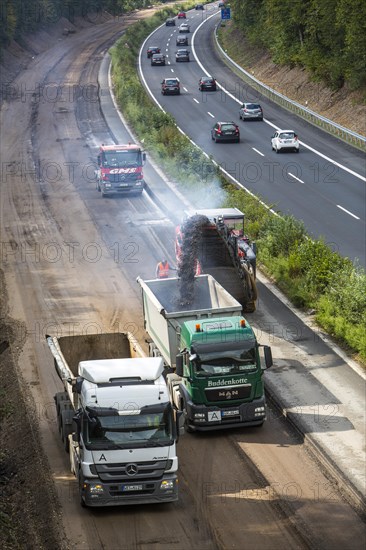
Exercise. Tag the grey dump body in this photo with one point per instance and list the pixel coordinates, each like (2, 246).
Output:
(69, 351)
(164, 315)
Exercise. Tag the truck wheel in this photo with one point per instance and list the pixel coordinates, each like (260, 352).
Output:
(60, 398)
(81, 499)
(98, 186)
(66, 415)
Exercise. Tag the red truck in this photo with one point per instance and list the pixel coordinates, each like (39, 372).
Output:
(120, 169)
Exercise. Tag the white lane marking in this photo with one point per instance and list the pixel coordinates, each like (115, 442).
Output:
(172, 70)
(185, 89)
(295, 177)
(168, 62)
(210, 114)
(348, 212)
(196, 100)
(166, 49)
(359, 176)
(259, 153)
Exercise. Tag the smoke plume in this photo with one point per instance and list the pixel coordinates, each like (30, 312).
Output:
(191, 240)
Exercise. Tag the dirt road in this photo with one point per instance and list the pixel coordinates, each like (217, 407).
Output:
(70, 261)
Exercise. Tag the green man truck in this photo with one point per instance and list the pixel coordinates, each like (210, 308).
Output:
(216, 376)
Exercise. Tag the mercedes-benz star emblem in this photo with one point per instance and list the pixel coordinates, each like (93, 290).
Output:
(131, 469)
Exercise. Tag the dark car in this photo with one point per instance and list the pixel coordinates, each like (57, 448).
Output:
(251, 111)
(182, 15)
(170, 86)
(182, 55)
(225, 131)
(181, 40)
(170, 23)
(199, 7)
(207, 83)
(151, 50)
(158, 59)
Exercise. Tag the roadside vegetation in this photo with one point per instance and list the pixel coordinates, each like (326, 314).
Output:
(19, 18)
(313, 276)
(326, 37)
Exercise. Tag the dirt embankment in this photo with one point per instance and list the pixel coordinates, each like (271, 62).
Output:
(28, 503)
(345, 107)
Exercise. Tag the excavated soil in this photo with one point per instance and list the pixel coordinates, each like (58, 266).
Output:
(29, 511)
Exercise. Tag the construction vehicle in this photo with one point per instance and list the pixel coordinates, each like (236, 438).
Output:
(225, 252)
(120, 169)
(116, 420)
(213, 359)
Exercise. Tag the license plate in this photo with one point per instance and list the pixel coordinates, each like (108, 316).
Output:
(230, 413)
(214, 416)
(229, 133)
(123, 184)
(131, 488)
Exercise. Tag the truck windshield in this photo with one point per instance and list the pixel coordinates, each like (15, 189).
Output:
(143, 430)
(120, 159)
(223, 363)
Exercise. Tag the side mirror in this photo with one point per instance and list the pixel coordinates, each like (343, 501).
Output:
(179, 365)
(144, 157)
(268, 356)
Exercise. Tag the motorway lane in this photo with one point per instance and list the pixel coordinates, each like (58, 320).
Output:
(330, 200)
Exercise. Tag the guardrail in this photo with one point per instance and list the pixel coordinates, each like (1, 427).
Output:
(314, 118)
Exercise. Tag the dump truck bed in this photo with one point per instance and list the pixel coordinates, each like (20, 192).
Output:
(164, 314)
(69, 351)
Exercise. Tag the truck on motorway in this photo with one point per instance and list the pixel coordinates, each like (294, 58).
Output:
(120, 169)
(225, 252)
(116, 420)
(216, 377)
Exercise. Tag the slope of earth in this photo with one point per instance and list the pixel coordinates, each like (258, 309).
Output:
(345, 107)
(28, 512)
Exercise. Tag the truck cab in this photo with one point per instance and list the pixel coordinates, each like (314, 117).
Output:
(218, 381)
(120, 170)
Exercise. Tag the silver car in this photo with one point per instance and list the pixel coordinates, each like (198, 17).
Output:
(251, 111)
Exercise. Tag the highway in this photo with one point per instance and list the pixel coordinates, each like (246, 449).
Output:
(324, 185)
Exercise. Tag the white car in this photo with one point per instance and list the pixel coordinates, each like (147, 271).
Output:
(285, 140)
(184, 27)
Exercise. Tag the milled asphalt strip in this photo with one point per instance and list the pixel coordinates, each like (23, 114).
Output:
(315, 391)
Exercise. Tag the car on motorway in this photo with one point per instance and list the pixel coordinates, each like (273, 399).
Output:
(221, 4)
(170, 22)
(225, 131)
(199, 7)
(182, 55)
(251, 111)
(158, 59)
(285, 140)
(170, 85)
(181, 40)
(207, 83)
(184, 27)
(151, 50)
(182, 15)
